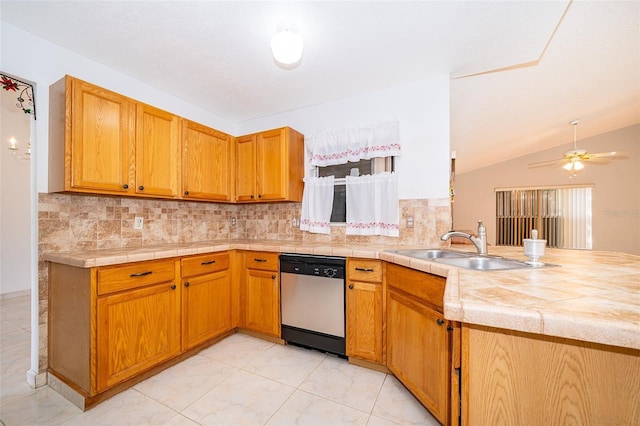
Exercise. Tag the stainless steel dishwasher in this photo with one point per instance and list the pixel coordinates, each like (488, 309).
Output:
(312, 301)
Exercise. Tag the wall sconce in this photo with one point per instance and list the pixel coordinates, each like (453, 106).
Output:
(13, 147)
(286, 47)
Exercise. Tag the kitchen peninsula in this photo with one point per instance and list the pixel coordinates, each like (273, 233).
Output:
(538, 345)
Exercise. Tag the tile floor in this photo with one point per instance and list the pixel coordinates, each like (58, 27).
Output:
(241, 380)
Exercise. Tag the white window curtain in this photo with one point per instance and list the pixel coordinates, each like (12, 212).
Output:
(354, 144)
(372, 205)
(317, 202)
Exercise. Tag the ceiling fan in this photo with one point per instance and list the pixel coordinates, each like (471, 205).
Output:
(573, 160)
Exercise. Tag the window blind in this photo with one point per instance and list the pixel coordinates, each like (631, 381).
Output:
(562, 216)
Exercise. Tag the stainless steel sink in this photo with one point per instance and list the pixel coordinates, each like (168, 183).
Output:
(430, 253)
(481, 263)
(466, 260)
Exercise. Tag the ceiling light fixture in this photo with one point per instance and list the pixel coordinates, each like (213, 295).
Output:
(286, 47)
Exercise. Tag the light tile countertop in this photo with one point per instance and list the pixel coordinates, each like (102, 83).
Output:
(591, 296)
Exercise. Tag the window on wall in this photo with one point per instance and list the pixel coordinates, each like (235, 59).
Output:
(340, 171)
(562, 216)
(351, 180)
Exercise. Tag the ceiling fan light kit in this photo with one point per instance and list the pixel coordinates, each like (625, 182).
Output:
(574, 160)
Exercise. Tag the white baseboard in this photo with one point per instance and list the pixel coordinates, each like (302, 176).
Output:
(36, 380)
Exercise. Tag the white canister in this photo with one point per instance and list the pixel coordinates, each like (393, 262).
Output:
(534, 248)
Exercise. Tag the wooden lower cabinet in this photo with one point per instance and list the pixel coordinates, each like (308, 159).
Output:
(206, 298)
(364, 310)
(136, 330)
(260, 294)
(517, 378)
(420, 342)
(113, 324)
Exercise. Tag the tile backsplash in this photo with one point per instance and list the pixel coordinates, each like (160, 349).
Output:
(68, 222)
(84, 222)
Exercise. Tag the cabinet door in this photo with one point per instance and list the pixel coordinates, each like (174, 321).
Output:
(262, 302)
(206, 307)
(136, 330)
(207, 172)
(364, 320)
(272, 159)
(157, 152)
(100, 156)
(418, 352)
(246, 168)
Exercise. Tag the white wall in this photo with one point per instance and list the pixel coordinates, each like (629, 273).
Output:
(42, 62)
(422, 110)
(15, 192)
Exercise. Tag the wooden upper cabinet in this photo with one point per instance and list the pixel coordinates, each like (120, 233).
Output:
(157, 152)
(246, 168)
(99, 149)
(102, 142)
(207, 159)
(270, 166)
(106, 143)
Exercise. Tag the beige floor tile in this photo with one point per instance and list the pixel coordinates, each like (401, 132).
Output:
(379, 421)
(395, 403)
(243, 399)
(309, 410)
(347, 384)
(43, 407)
(289, 365)
(13, 386)
(180, 420)
(127, 408)
(182, 384)
(237, 350)
(14, 357)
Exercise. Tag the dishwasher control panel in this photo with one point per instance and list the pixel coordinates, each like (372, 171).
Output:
(321, 266)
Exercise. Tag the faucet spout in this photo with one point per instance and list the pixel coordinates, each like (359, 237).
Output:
(480, 241)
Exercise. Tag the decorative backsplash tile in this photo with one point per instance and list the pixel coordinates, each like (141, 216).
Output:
(76, 222)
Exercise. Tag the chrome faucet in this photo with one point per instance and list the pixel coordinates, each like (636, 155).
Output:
(480, 241)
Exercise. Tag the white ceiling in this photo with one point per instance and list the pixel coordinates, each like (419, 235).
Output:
(521, 70)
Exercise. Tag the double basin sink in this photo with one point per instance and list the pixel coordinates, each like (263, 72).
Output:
(464, 260)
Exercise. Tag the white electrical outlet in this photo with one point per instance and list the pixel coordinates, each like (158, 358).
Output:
(409, 221)
(233, 221)
(137, 223)
(294, 222)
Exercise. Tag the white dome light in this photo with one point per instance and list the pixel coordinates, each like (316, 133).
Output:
(286, 47)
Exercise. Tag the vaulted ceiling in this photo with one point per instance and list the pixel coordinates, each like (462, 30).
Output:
(520, 70)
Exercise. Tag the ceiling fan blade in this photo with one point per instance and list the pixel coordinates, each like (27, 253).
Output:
(547, 163)
(609, 154)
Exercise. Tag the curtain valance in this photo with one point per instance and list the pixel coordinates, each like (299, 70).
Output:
(354, 144)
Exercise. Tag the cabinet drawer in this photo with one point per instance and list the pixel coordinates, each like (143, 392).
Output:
(366, 270)
(426, 287)
(262, 260)
(133, 275)
(204, 264)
